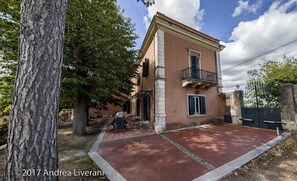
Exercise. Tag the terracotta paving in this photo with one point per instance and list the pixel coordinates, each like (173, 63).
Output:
(242, 131)
(130, 132)
(151, 157)
(216, 149)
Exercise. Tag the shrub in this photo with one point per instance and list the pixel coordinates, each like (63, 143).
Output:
(65, 115)
(3, 132)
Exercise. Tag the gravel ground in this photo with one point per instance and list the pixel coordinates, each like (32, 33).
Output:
(279, 163)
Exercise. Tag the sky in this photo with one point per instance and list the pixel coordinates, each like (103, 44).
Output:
(248, 29)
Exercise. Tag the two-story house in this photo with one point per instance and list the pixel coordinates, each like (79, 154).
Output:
(179, 78)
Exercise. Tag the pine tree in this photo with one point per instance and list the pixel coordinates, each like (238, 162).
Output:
(32, 137)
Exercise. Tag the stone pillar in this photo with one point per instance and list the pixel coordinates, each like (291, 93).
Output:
(160, 115)
(288, 101)
(234, 101)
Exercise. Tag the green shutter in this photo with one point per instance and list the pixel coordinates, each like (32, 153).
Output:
(145, 68)
(138, 79)
(202, 105)
(191, 105)
(194, 68)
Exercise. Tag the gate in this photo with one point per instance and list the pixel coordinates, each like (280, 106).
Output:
(268, 118)
(261, 106)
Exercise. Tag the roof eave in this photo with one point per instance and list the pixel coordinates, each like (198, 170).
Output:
(157, 24)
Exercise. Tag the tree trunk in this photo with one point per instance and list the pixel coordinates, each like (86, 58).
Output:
(88, 115)
(32, 139)
(80, 115)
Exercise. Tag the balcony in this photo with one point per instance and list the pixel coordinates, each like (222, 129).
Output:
(198, 78)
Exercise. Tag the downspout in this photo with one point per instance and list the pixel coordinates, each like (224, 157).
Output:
(219, 73)
(154, 89)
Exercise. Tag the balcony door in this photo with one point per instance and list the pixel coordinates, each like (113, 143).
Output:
(195, 67)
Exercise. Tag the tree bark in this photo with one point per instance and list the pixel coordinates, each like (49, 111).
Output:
(80, 115)
(88, 115)
(32, 140)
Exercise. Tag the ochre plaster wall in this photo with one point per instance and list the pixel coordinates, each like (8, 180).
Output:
(177, 59)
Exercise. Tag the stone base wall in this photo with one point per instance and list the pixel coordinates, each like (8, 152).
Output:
(288, 100)
(233, 104)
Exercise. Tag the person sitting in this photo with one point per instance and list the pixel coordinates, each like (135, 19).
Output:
(119, 122)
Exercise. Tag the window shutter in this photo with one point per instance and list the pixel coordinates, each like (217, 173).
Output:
(191, 105)
(145, 66)
(194, 69)
(144, 73)
(138, 79)
(202, 105)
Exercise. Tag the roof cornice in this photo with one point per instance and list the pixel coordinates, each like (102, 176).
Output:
(173, 27)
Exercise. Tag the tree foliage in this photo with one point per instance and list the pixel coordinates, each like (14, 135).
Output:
(106, 78)
(98, 56)
(148, 2)
(9, 30)
(276, 72)
(268, 78)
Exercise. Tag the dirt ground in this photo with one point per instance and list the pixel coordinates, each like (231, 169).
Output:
(279, 163)
(70, 145)
(73, 152)
(2, 162)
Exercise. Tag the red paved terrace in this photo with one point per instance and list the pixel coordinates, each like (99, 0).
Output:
(130, 132)
(180, 155)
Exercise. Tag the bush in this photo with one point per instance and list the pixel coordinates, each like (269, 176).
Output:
(65, 115)
(7, 110)
(3, 132)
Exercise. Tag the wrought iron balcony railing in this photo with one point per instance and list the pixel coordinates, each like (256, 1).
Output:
(195, 74)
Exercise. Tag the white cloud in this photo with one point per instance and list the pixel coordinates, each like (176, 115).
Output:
(249, 39)
(187, 12)
(245, 6)
(146, 21)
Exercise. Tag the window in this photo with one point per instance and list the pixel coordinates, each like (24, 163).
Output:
(145, 68)
(138, 107)
(196, 104)
(138, 79)
(146, 108)
(126, 107)
(195, 67)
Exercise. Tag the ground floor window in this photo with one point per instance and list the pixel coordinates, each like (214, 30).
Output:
(126, 107)
(146, 108)
(196, 104)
